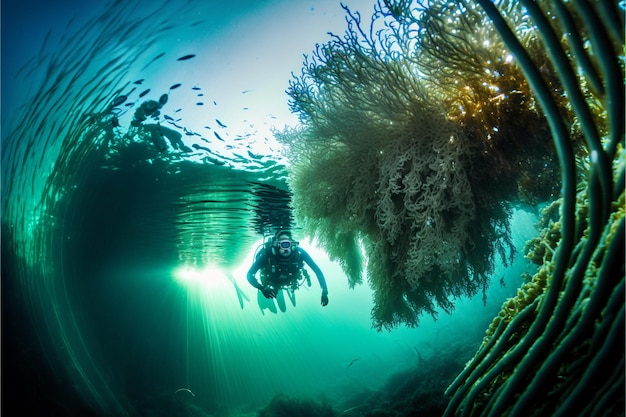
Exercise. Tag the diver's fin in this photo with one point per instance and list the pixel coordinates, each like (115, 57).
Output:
(240, 294)
(239, 298)
(280, 300)
(292, 297)
(265, 303)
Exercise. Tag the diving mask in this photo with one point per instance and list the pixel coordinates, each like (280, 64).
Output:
(285, 246)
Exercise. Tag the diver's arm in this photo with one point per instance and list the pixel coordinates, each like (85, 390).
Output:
(318, 272)
(251, 276)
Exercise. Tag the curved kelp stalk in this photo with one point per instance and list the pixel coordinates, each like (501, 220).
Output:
(548, 358)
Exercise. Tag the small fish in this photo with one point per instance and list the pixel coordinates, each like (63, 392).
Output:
(144, 92)
(139, 82)
(185, 390)
(245, 91)
(163, 100)
(199, 103)
(195, 87)
(170, 118)
(352, 362)
(118, 100)
(215, 162)
(175, 86)
(186, 57)
(218, 136)
(198, 147)
(153, 59)
(220, 123)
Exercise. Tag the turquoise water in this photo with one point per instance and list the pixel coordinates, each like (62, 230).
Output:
(123, 273)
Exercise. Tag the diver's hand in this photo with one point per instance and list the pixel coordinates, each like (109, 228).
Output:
(268, 292)
(324, 298)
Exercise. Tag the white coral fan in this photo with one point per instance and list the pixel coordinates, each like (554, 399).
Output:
(423, 191)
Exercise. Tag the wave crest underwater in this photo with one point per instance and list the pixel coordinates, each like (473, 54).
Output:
(416, 140)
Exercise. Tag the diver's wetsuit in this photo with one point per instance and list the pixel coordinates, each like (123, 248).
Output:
(261, 262)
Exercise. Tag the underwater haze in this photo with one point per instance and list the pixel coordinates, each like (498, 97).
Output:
(118, 258)
(147, 152)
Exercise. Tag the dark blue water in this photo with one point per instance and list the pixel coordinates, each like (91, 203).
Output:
(123, 266)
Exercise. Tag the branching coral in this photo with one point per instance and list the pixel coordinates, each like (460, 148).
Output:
(417, 134)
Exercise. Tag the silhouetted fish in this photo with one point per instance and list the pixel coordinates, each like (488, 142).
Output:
(198, 147)
(220, 123)
(139, 81)
(118, 100)
(352, 362)
(218, 136)
(175, 86)
(144, 92)
(186, 57)
(153, 59)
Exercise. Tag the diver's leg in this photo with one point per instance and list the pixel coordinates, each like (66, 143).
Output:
(280, 300)
(291, 293)
(265, 303)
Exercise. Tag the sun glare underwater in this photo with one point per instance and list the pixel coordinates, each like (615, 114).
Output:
(455, 168)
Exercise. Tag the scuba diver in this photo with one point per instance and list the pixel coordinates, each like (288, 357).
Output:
(280, 262)
(151, 109)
